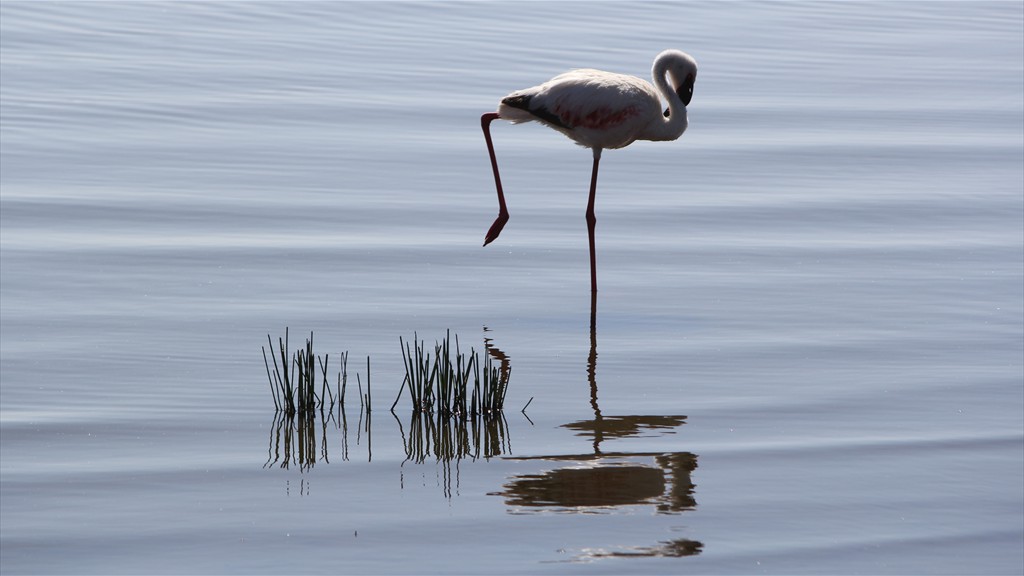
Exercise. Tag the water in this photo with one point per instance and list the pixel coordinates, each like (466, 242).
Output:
(806, 352)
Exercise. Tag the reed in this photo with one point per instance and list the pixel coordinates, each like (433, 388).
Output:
(294, 380)
(445, 381)
(449, 382)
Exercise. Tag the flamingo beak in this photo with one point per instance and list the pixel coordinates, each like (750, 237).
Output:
(685, 91)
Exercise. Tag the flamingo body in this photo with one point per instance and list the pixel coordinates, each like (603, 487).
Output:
(600, 110)
(594, 108)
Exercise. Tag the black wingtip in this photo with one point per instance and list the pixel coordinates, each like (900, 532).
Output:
(525, 102)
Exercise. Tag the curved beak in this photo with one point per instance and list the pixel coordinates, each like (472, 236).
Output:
(685, 91)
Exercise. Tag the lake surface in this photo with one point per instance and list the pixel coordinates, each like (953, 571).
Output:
(805, 355)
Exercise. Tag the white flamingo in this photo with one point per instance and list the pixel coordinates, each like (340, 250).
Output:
(599, 110)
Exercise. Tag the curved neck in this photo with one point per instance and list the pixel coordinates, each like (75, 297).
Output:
(675, 124)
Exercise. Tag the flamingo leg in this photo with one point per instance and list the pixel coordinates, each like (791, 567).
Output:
(592, 220)
(499, 222)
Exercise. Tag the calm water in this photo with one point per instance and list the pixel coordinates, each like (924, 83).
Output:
(806, 354)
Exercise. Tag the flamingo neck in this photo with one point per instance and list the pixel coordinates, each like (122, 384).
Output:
(673, 126)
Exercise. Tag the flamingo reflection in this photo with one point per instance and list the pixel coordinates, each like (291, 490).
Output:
(601, 481)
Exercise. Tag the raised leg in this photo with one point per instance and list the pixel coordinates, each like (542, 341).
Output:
(592, 220)
(499, 222)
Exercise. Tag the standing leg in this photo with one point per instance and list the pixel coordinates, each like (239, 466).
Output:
(499, 222)
(592, 376)
(592, 220)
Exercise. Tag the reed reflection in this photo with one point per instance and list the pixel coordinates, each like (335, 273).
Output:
(449, 442)
(600, 481)
(303, 439)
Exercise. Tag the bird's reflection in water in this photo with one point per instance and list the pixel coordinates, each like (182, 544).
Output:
(668, 549)
(604, 428)
(601, 481)
(504, 365)
(596, 483)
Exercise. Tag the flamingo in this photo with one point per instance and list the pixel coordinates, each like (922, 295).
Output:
(599, 110)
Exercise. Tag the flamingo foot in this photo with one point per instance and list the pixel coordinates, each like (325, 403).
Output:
(499, 223)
